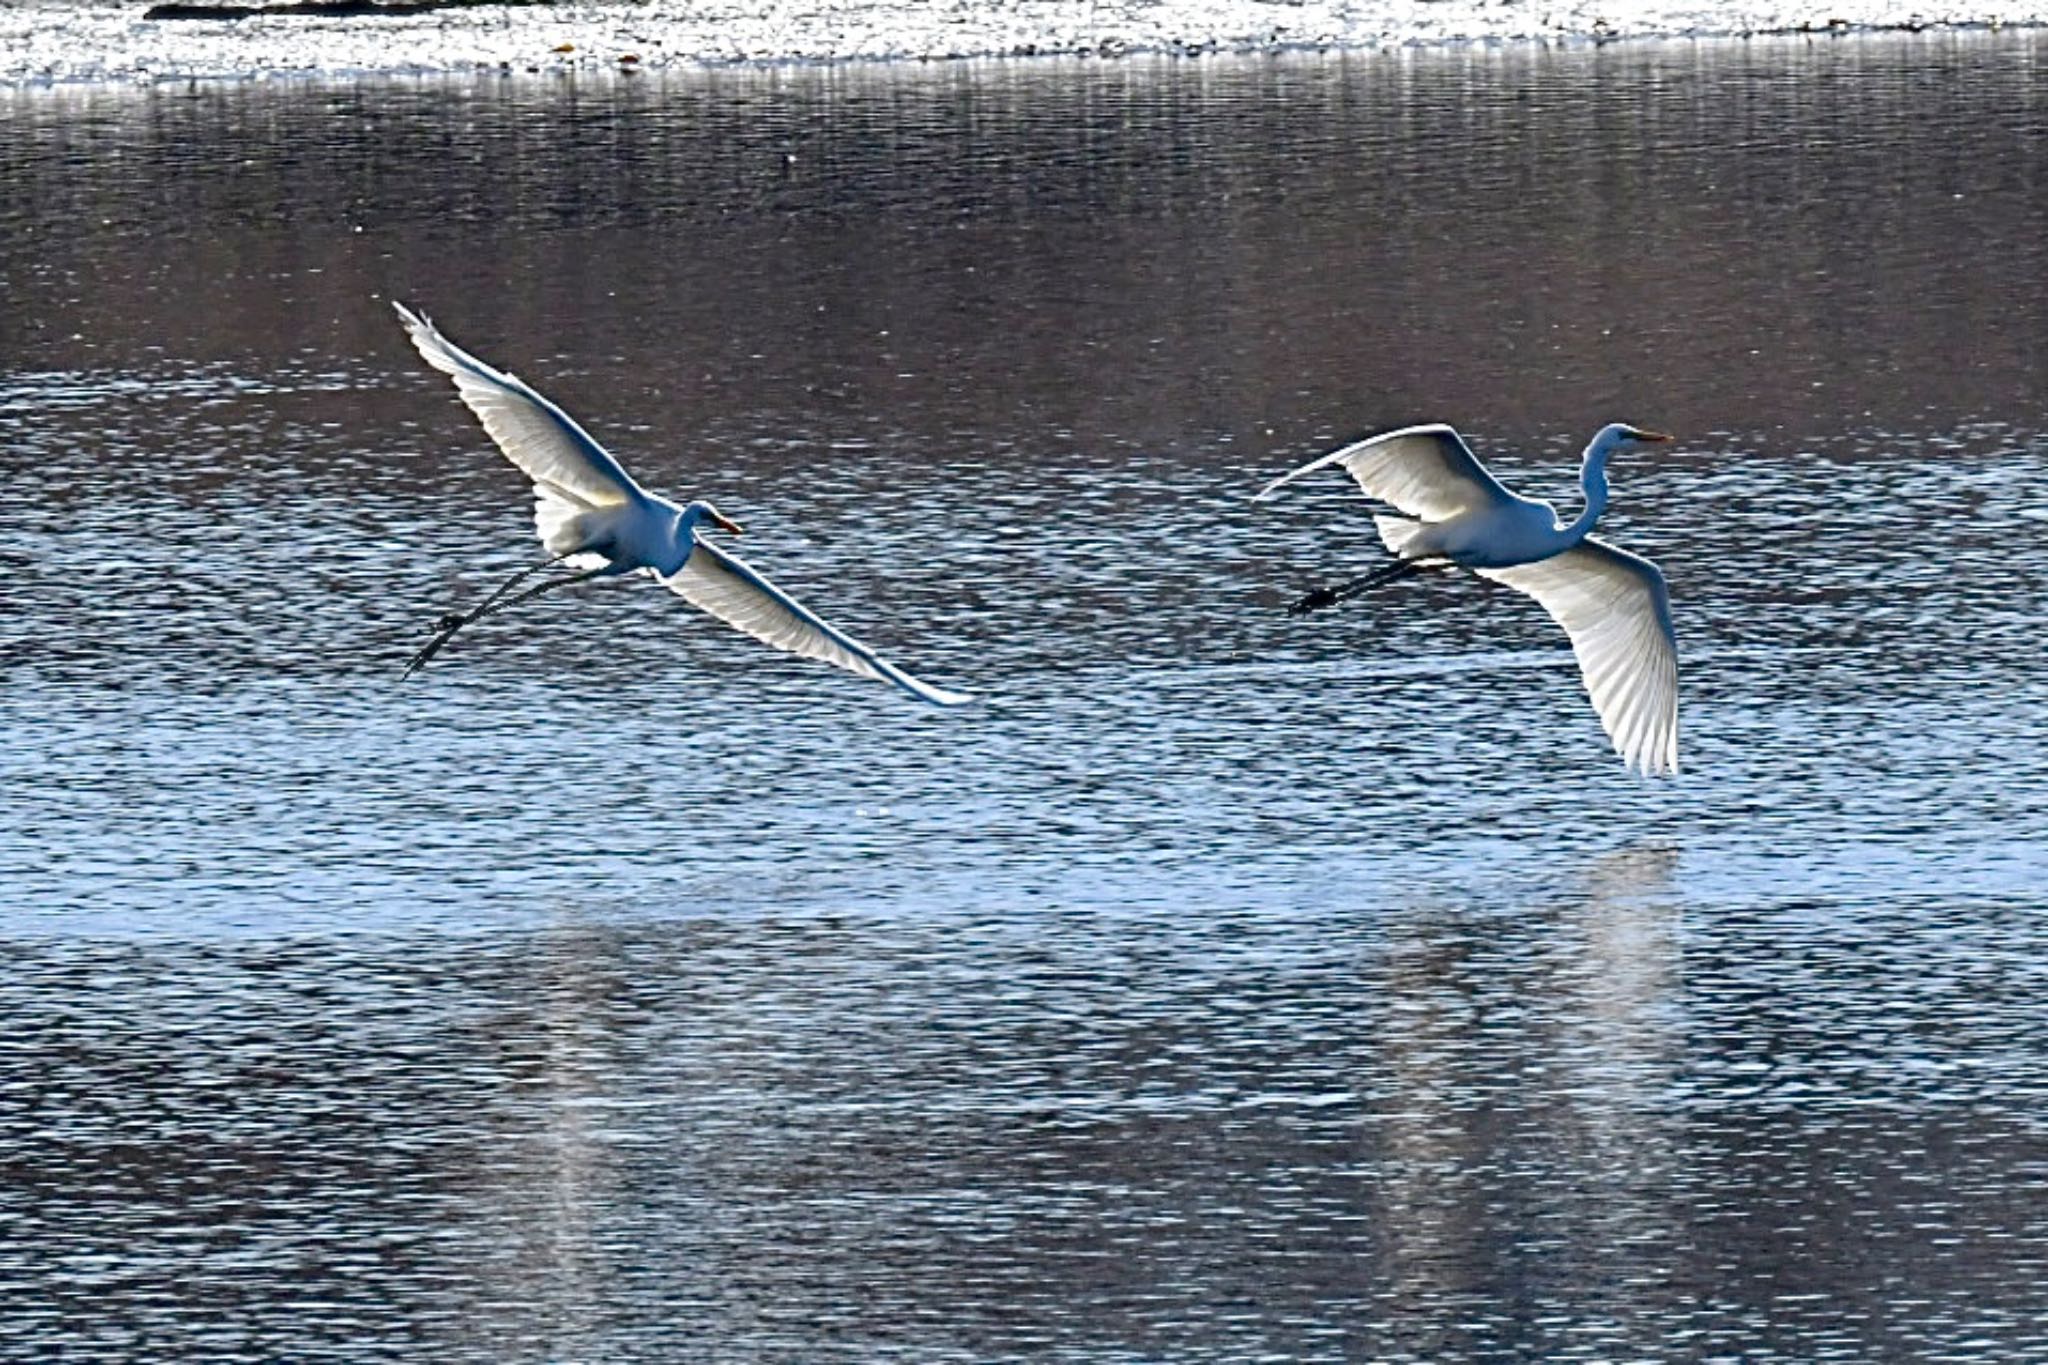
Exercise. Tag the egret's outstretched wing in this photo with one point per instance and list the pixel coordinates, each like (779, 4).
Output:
(559, 456)
(737, 594)
(1427, 472)
(1617, 611)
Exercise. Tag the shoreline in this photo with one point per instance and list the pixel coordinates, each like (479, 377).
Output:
(45, 44)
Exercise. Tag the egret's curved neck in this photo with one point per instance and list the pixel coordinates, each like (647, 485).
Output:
(1593, 482)
(684, 539)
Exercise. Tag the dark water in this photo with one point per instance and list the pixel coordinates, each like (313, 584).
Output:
(1227, 985)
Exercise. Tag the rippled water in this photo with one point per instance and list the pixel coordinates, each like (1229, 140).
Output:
(1226, 984)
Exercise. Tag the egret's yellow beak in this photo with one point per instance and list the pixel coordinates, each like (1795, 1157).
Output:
(1653, 436)
(727, 524)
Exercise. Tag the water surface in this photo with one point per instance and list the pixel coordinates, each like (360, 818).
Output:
(1224, 984)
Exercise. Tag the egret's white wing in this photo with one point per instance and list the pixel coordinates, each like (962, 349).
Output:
(1617, 611)
(1427, 472)
(559, 456)
(736, 593)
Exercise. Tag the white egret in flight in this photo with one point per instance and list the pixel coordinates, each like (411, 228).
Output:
(594, 519)
(1612, 604)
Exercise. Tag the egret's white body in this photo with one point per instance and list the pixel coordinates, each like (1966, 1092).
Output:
(591, 515)
(1613, 605)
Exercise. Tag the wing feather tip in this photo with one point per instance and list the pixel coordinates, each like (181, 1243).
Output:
(919, 688)
(1267, 493)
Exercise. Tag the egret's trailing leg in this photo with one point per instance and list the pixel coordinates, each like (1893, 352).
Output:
(1331, 596)
(455, 620)
(492, 605)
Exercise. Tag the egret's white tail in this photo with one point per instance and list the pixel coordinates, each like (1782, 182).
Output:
(1397, 533)
(559, 522)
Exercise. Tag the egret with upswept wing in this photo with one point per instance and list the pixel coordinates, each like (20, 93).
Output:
(595, 521)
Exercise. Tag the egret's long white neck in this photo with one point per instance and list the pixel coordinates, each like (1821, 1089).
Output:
(695, 516)
(1593, 482)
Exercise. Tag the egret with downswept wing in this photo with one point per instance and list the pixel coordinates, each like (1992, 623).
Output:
(1613, 605)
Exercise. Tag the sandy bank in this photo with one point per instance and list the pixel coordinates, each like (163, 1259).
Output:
(105, 40)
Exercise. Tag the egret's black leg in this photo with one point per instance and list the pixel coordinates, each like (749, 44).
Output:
(455, 620)
(583, 576)
(494, 604)
(1331, 596)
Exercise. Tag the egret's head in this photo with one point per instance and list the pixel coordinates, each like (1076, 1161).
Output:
(1621, 436)
(706, 512)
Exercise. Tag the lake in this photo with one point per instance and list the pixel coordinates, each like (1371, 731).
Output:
(1223, 985)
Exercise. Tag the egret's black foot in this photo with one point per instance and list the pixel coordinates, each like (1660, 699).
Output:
(450, 623)
(1315, 601)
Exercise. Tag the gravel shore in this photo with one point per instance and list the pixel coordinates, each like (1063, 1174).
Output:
(101, 40)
